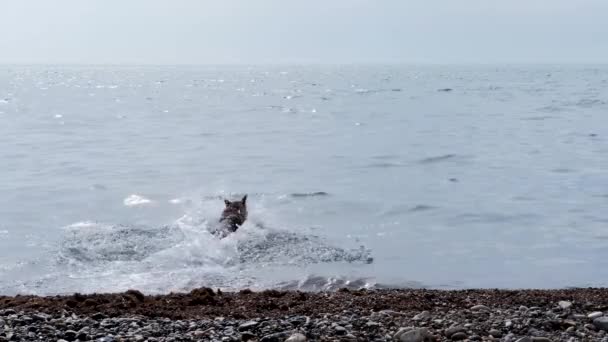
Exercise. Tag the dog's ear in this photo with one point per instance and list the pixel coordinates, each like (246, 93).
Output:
(227, 202)
(244, 199)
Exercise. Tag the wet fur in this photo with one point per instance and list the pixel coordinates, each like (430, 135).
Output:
(233, 216)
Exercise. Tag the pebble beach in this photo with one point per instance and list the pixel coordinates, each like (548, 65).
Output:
(346, 315)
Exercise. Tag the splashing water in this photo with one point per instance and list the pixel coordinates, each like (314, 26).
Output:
(99, 257)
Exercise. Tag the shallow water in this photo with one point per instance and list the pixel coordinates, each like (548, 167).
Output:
(357, 176)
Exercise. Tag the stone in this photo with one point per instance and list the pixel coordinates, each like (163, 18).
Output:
(459, 336)
(246, 336)
(423, 316)
(595, 315)
(590, 327)
(564, 304)
(70, 335)
(297, 337)
(248, 325)
(541, 339)
(276, 337)
(601, 323)
(401, 331)
(525, 339)
(340, 330)
(415, 335)
(495, 333)
(453, 330)
(480, 308)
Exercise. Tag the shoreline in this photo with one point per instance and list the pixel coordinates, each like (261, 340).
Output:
(349, 315)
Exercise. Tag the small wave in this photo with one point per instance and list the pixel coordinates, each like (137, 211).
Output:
(384, 165)
(538, 118)
(562, 170)
(320, 283)
(136, 200)
(309, 194)
(422, 207)
(436, 159)
(588, 103)
(385, 156)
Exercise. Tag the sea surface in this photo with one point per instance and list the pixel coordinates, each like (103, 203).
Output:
(357, 176)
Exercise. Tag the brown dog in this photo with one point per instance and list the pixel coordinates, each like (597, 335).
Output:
(233, 216)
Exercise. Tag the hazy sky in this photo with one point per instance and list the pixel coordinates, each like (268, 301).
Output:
(303, 31)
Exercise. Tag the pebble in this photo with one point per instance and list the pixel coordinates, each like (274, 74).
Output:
(248, 325)
(495, 333)
(564, 304)
(349, 325)
(595, 315)
(459, 336)
(453, 330)
(601, 323)
(480, 308)
(540, 339)
(340, 330)
(415, 335)
(297, 337)
(423, 316)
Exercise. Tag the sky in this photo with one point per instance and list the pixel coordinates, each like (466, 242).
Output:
(303, 31)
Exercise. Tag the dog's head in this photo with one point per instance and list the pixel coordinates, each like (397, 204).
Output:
(237, 208)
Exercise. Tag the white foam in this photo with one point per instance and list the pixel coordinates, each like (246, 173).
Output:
(136, 200)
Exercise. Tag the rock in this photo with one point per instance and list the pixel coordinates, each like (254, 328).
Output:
(601, 323)
(415, 335)
(525, 339)
(297, 337)
(595, 315)
(248, 325)
(480, 308)
(540, 339)
(340, 330)
(70, 335)
(372, 324)
(590, 327)
(423, 316)
(495, 333)
(453, 330)
(276, 337)
(508, 324)
(246, 336)
(459, 336)
(401, 331)
(564, 304)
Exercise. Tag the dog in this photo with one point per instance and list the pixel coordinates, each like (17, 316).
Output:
(233, 216)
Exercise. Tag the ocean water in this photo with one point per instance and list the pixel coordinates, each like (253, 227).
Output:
(357, 176)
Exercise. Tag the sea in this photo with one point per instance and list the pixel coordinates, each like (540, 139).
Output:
(357, 176)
